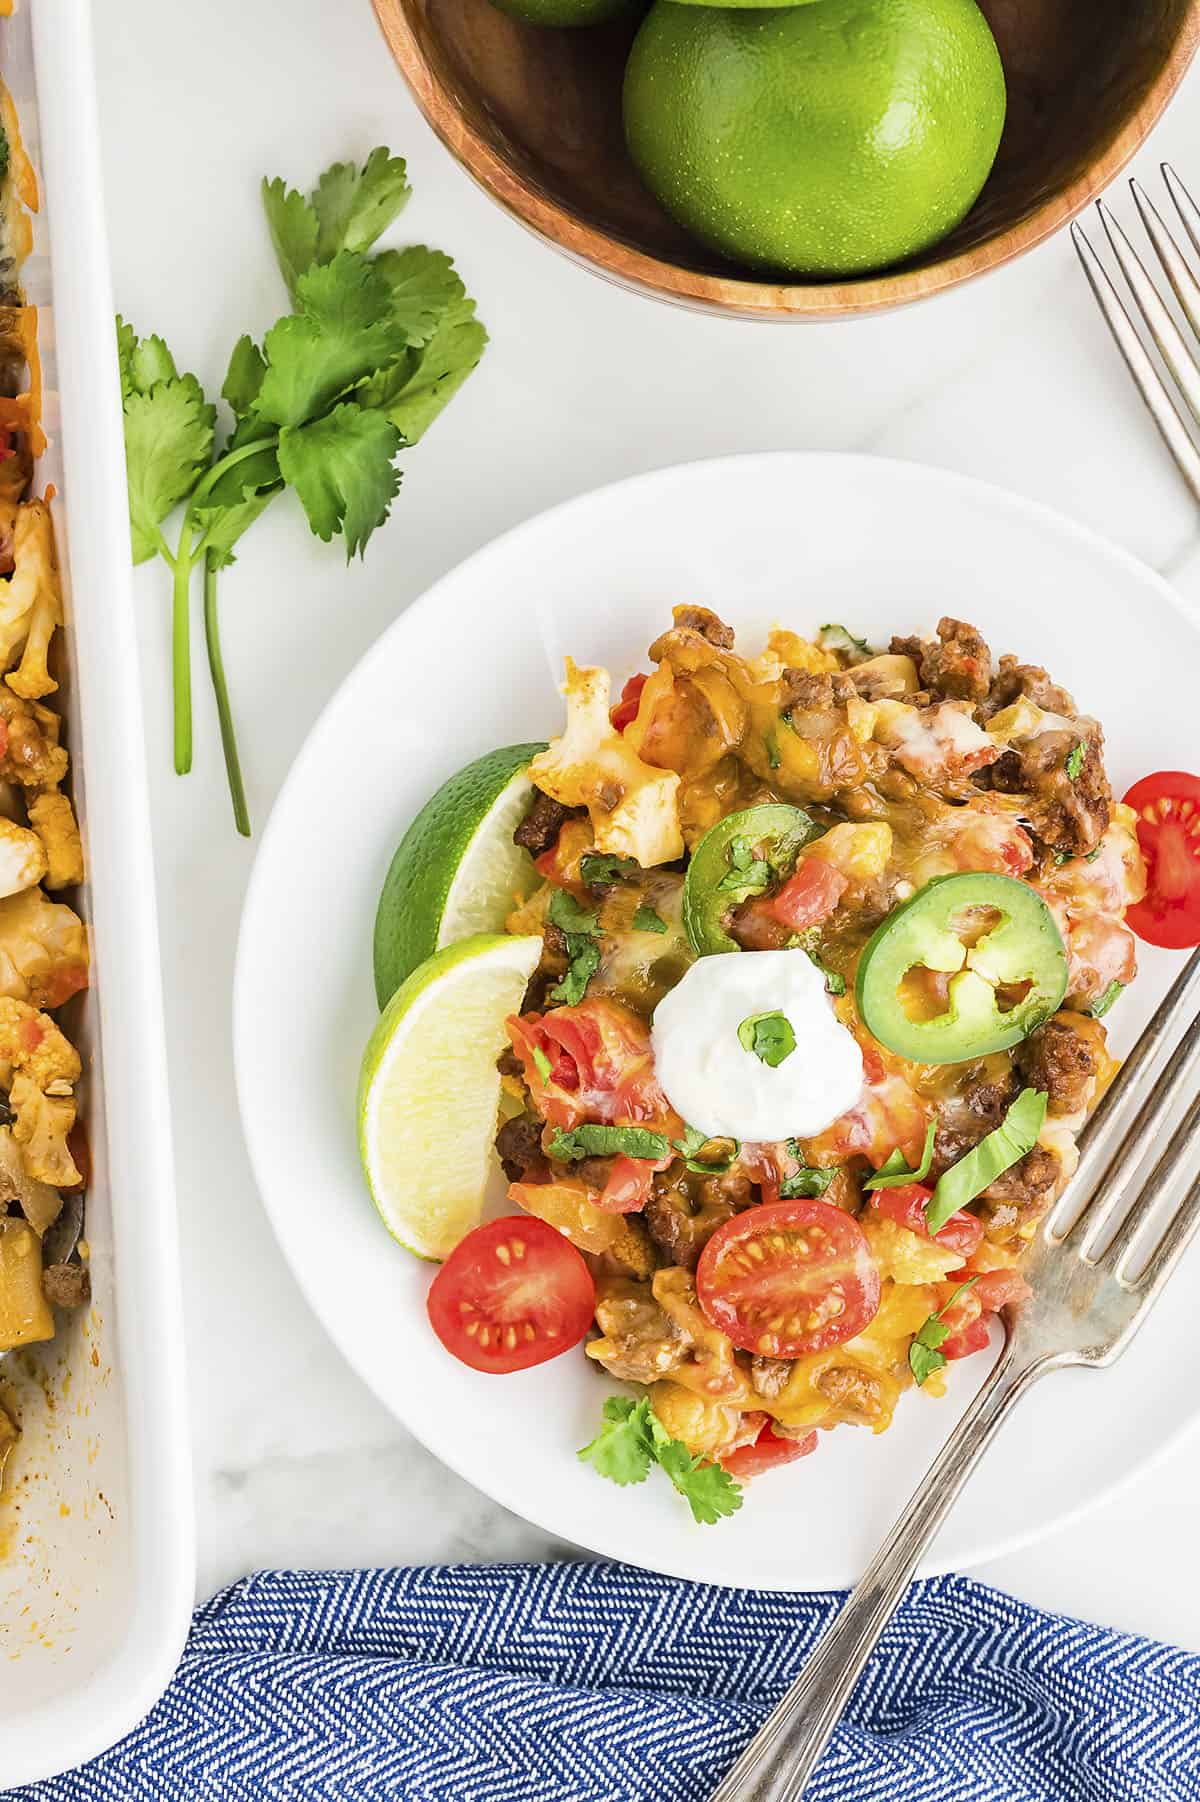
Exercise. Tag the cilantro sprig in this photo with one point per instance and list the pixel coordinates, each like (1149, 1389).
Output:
(580, 929)
(374, 347)
(925, 1354)
(633, 1439)
(768, 1036)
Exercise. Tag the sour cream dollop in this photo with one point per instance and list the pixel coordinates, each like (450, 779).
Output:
(727, 1091)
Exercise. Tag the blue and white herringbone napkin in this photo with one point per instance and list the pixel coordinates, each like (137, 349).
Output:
(598, 1683)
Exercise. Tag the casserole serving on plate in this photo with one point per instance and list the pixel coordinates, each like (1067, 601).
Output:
(95, 1531)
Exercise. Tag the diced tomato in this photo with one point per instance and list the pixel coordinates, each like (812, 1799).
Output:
(768, 1452)
(965, 1339)
(809, 896)
(512, 1294)
(609, 1068)
(906, 1205)
(788, 1277)
(998, 1289)
(30, 1034)
(1167, 805)
(968, 1317)
(66, 981)
(626, 709)
(629, 1184)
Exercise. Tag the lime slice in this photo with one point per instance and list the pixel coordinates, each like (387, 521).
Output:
(429, 1089)
(457, 871)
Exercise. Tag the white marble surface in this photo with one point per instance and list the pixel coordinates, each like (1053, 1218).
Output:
(1011, 379)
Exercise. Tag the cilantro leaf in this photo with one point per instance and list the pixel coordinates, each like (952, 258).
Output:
(425, 289)
(924, 1354)
(632, 1438)
(721, 1156)
(341, 467)
(894, 1173)
(566, 913)
(433, 376)
(169, 430)
(293, 225)
(769, 1036)
(622, 1450)
(244, 378)
(646, 920)
(1099, 1008)
(600, 869)
(590, 1141)
(353, 207)
(340, 334)
(584, 955)
(1074, 763)
(709, 1491)
(805, 1184)
(541, 1063)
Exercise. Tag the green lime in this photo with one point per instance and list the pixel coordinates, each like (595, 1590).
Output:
(565, 12)
(456, 871)
(822, 140)
(429, 1089)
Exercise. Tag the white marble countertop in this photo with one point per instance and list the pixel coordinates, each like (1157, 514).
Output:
(1011, 379)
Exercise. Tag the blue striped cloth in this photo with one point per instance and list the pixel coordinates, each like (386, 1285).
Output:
(599, 1683)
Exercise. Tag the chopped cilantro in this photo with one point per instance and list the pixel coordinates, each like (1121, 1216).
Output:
(579, 927)
(600, 869)
(646, 920)
(805, 1184)
(925, 1355)
(721, 1153)
(608, 1141)
(566, 912)
(1099, 1008)
(1074, 763)
(769, 1037)
(633, 1438)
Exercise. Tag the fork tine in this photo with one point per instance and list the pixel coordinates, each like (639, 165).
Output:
(1178, 270)
(1112, 1191)
(1162, 1180)
(1163, 411)
(1185, 206)
(1162, 328)
(1171, 1246)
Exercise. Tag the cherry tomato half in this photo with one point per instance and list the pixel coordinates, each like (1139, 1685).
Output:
(906, 1205)
(513, 1294)
(769, 1451)
(1167, 805)
(788, 1277)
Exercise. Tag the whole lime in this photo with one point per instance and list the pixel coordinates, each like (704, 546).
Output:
(565, 12)
(823, 140)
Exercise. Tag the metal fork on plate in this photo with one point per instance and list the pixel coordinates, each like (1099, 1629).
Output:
(1165, 409)
(1097, 1267)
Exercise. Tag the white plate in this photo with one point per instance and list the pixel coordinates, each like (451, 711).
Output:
(803, 539)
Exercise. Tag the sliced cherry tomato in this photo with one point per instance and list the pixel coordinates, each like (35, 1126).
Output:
(968, 1318)
(769, 1451)
(1167, 805)
(966, 1338)
(906, 1205)
(629, 1185)
(511, 1295)
(809, 896)
(608, 1076)
(788, 1277)
(626, 709)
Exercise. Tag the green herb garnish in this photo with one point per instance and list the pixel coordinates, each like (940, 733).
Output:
(633, 1439)
(895, 1173)
(769, 1037)
(646, 920)
(600, 869)
(541, 1063)
(722, 1153)
(579, 927)
(748, 875)
(925, 1355)
(371, 352)
(1099, 1008)
(805, 1184)
(1074, 762)
(998, 1152)
(608, 1141)
(836, 638)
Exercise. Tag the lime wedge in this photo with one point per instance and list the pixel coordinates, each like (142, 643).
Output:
(429, 1089)
(457, 871)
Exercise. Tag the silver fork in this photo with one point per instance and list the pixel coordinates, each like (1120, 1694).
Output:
(1096, 1268)
(1170, 418)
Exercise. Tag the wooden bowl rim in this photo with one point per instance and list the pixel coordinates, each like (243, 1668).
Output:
(623, 263)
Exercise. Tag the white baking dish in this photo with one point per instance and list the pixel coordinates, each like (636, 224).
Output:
(96, 1580)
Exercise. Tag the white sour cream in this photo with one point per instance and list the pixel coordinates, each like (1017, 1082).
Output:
(728, 1092)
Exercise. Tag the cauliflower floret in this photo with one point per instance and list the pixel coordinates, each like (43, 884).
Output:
(40, 1129)
(22, 858)
(53, 819)
(43, 950)
(30, 753)
(40, 1067)
(633, 807)
(30, 604)
(32, 1045)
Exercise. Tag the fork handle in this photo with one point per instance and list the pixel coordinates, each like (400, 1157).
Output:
(780, 1759)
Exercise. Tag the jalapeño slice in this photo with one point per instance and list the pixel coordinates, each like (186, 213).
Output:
(1008, 966)
(742, 855)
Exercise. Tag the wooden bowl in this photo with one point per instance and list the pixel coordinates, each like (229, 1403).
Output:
(535, 116)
